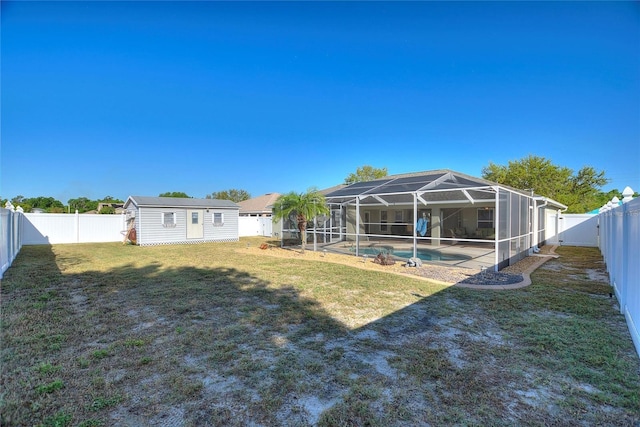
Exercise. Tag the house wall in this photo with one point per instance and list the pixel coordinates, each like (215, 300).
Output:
(151, 231)
(466, 217)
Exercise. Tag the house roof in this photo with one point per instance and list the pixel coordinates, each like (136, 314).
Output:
(260, 204)
(326, 191)
(437, 186)
(178, 202)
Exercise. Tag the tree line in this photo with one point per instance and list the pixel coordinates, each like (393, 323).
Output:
(580, 191)
(84, 204)
(51, 205)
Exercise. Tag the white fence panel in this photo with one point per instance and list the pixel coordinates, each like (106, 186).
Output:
(101, 228)
(49, 229)
(551, 235)
(255, 226)
(579, 230)
(620, 246)
(572, 230)
(11, 236)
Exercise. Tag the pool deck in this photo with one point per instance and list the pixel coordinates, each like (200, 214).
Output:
(476, 256)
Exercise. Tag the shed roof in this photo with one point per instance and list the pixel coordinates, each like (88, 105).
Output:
(178, 202)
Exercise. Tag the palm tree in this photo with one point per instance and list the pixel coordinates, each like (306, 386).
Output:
(304, 206)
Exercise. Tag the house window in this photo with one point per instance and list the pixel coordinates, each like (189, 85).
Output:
(168, 219)
(399, 216)
(485, 218)
(383, 220)
(218, 219)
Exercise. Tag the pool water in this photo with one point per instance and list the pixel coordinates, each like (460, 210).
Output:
(423, 254)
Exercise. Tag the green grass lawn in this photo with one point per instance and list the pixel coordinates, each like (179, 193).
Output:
(213, 334)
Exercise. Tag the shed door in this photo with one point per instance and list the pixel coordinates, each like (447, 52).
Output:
(195, 224)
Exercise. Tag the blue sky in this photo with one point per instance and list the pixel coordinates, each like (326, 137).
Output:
(124, 98)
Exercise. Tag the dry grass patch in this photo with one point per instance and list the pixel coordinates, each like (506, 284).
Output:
(218, 334)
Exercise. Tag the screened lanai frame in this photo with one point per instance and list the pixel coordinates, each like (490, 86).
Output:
(503, 224)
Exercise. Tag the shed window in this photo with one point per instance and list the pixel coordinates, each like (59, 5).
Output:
(218, 219)
(485, 218)
(194, 218)
(168, 219)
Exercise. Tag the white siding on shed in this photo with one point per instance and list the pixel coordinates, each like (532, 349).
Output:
(153, 228)
(152, 231)
(228, 231)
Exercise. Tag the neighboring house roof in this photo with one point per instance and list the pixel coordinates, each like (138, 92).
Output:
(114, 205)
(177, 202)
(258, 205)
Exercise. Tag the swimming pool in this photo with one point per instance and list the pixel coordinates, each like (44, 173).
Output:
(423, 253)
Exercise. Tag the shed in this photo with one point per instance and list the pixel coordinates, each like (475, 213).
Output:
(172, 220)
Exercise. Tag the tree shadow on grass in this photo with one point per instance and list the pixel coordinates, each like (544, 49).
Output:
(150, 345)
(554, 353)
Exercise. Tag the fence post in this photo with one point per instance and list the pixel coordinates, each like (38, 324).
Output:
(77, 226)
(10, 236)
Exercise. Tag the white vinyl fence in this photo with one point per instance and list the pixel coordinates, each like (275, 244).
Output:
(49, 229)
(255, 226)
(10, 236)
(18, 229)
(572, 230)
(620, 247)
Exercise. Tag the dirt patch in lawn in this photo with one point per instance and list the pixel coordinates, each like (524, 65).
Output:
(198, 341)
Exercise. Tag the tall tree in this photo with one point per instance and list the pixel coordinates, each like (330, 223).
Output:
(233, 194)
(18, 200)
(82, 204)
(49, 204)
(179, 194)
(304, 206)
(579, 192)
(366, 173)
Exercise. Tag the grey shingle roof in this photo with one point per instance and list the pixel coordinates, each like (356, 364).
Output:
(411, 182)
(433, 186)
(177, 202)
(260, 204)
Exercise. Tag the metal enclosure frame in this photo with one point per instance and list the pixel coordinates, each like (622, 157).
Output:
(513, 213)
